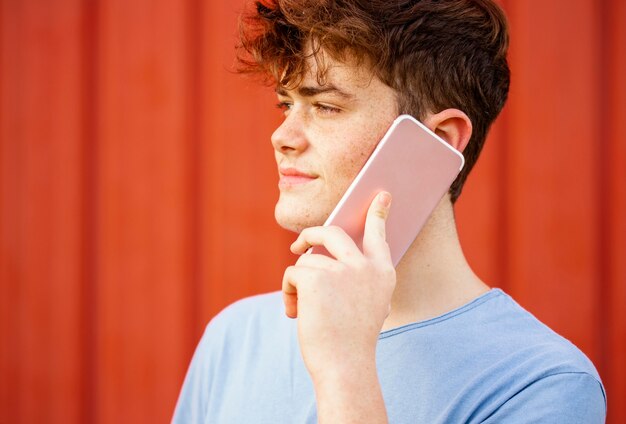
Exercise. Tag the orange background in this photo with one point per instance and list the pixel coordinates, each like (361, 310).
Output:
(137, 187)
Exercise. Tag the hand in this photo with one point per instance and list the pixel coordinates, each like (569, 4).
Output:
(341, 302)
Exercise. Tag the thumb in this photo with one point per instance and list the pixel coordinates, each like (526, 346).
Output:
(374, 238)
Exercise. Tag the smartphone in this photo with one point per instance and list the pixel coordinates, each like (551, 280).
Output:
(413, 164)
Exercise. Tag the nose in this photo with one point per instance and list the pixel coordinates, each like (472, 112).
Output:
(289, 137)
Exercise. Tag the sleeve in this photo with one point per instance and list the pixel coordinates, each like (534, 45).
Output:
(192, 400)
(568, 398)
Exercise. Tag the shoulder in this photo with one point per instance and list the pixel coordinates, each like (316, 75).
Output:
(565, 397)
(540, 370)
(249, 316)
(520, 332)
(224, 349)
(268, 305)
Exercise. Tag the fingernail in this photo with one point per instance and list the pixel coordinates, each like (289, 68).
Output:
(384, 199)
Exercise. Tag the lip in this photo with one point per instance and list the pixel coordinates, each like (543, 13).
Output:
(292, 177)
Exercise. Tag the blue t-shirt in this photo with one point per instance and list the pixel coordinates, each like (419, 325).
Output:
(489, 361)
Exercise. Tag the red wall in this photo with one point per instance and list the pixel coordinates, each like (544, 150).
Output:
(137, 187)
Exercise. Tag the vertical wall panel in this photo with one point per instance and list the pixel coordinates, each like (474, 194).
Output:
(552, 166)
(9, 234)
(144, 234)
(40, 227)
(614, 319)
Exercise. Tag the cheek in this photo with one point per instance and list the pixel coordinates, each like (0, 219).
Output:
(348, 162)
(346, 156)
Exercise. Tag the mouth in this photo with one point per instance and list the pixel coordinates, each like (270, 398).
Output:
(292, 177)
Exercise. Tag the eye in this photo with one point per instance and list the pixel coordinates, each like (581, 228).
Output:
(326, 109)
(284, 106)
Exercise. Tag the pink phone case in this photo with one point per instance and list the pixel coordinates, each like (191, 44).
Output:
(413, 164)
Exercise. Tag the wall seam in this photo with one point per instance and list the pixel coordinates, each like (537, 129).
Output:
(604, 256)
(89, 262)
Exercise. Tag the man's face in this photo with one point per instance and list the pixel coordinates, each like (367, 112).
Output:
(328, 133)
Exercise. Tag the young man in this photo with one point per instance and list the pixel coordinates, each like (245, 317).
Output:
(428, 341)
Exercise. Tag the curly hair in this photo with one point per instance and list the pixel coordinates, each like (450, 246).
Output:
(436, 54)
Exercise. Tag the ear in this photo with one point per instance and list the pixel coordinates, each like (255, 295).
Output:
(452, 125)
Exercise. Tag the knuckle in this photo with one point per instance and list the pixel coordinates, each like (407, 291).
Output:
(361, 262)
(387, 271)
(288, 271)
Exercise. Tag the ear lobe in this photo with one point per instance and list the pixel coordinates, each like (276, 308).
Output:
(453, 125)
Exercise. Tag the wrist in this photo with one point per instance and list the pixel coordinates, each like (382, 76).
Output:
(350, 393)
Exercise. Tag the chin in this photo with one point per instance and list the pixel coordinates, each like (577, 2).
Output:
(294, 219)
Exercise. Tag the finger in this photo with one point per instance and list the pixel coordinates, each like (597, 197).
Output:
(334, 239)
(292, 278)
(290, 293)
(291, 304)
(374, 238)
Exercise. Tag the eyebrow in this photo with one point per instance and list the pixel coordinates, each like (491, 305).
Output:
(308, 91)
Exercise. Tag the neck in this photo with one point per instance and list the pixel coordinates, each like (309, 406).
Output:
(433, 277)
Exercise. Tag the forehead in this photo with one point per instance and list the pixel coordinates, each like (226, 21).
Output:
(324, 74)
